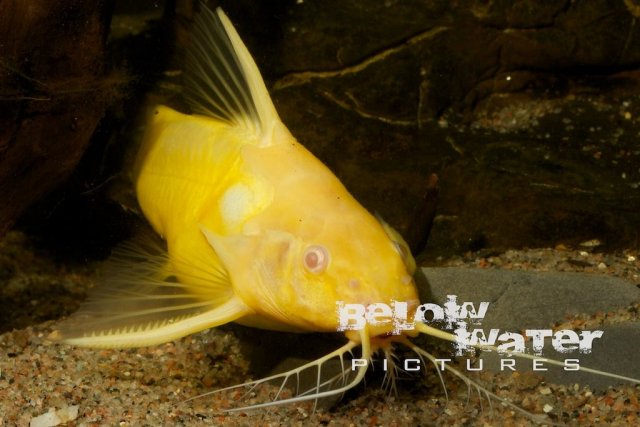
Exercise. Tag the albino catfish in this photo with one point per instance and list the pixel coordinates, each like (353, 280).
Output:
(258, 231)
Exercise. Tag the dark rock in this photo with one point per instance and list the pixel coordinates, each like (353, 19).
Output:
(53, 92)
(387, 93)
(525, 110)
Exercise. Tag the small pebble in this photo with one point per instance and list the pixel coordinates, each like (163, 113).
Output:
(591, 243)
(55, 417)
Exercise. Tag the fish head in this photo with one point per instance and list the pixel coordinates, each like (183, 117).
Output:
(298, 275)
(356, 259)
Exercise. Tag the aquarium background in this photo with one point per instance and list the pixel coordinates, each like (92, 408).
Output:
(490, 133)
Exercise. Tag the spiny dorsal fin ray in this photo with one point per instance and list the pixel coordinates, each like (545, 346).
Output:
(142, 300)
(222, 80)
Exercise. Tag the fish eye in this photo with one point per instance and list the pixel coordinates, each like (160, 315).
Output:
(316, 259)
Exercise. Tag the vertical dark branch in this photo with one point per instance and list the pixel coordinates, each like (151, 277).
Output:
(420, 226)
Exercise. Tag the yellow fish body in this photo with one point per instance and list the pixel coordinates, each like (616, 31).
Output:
(266, 210)
(258, 231)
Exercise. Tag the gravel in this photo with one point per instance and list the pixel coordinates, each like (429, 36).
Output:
(44, 384)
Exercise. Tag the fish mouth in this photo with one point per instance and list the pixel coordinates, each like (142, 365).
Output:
(385, 341)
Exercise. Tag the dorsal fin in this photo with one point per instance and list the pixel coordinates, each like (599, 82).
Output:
(222, 80)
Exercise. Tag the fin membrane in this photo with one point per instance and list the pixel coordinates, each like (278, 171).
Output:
(142, 300)
(221, 79)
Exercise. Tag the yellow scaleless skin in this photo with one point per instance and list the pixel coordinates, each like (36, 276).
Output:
(257, 231)
(266, 205)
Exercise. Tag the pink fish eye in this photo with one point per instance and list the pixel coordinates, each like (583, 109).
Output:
(316, 259)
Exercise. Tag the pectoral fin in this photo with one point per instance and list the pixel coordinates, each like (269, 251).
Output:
(142, 300)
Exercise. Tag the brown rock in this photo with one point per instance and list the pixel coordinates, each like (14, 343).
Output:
(52, 94)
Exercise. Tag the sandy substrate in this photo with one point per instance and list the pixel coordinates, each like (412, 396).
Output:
(45, 384)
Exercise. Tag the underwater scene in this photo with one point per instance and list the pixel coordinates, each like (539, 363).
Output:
(319, 212)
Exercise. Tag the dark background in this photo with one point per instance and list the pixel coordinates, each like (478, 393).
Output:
(527, 111)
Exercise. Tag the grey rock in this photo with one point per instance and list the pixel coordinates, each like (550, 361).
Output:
(522, 300)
